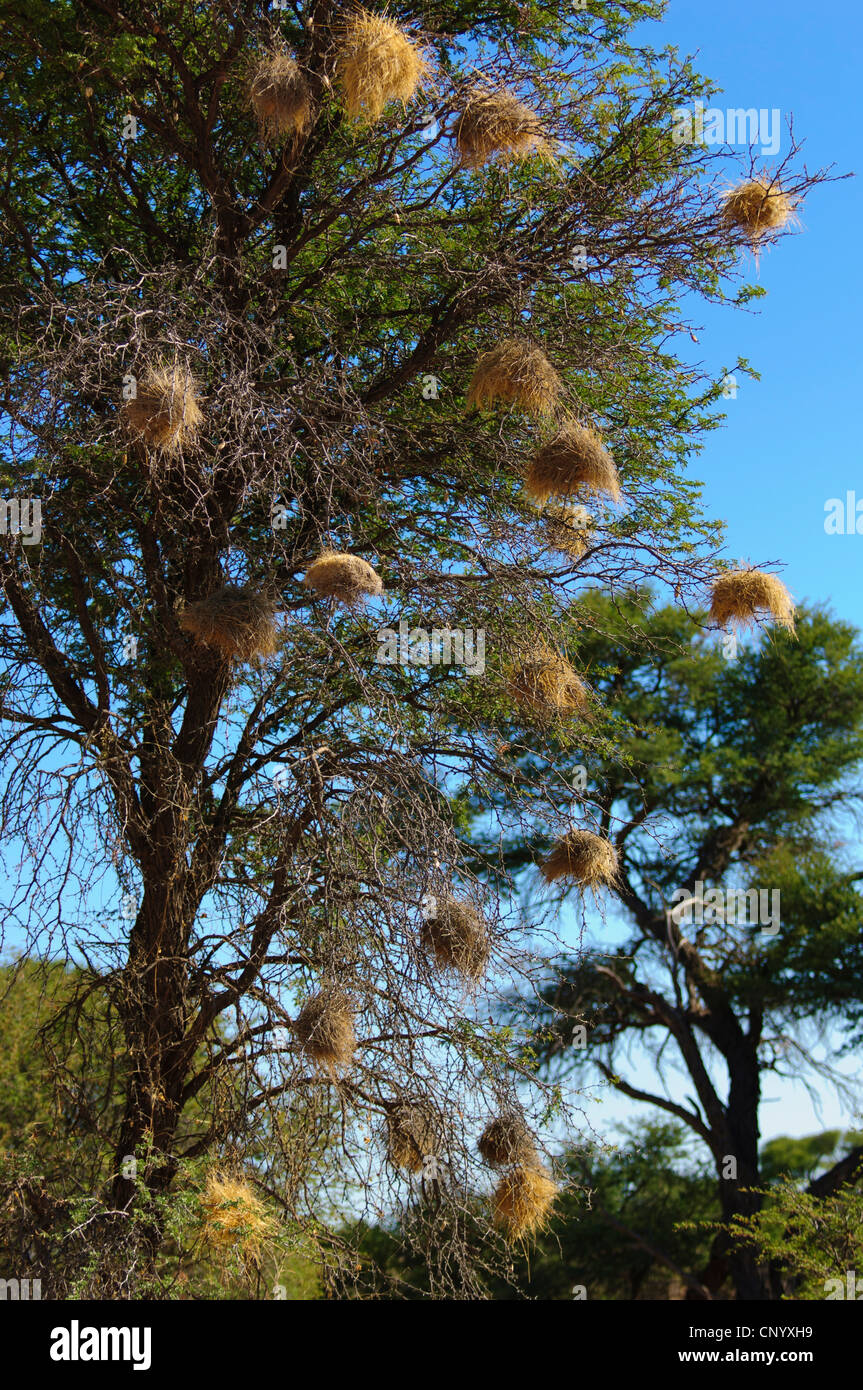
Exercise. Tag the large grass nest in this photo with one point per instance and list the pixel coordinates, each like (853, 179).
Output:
(574, 461)
(516, 373)
(757, 207)
(279, 96)
(523, 1200)
(507, 1140)
(583, 858)
(544, 683)
(458, 937)
(235, 1220)
(377, 63)
(738, 597)
(324, 1028)
(495, 123)
(568, 530)
(236, 622)
(165, 412)
(347, 578)
(413, 1134)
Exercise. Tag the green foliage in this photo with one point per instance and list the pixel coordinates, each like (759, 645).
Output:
(817, 1242)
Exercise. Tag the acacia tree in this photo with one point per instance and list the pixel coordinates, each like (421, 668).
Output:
(273, 826)
(738, 775)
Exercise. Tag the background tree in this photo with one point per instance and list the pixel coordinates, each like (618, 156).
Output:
(739, 774)
(57, 1133)
(309, 285)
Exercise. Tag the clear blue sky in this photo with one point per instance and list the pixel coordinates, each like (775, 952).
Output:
(792, 440)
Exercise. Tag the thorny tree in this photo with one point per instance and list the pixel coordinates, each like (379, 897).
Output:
(276, 824)
(735, 775)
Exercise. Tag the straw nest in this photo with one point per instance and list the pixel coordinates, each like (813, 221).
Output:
(584, 858)
(575, 459)
(507, 1140)
(739, 596)
(165, 411)
(458, 937)
(495, 123)
(523, 1200)
(235, 1220)
(413, 1134)
(757, 207)
(545, 684)
(347, 578)
(516, 373)
(235, 621)
(279, 96)
(377, 63)
(325, 1030)
(568, 530)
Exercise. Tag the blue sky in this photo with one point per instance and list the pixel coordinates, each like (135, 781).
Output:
(792, 440)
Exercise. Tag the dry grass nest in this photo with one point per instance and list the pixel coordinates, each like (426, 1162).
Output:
(507, 1140)
(739, 596)
(496, 123)
(235, 621)
(516, 373)
(165, 412)
(575, 460)
(568, 530)
(347, 578)
(279, 96)
(757, 207)
(413, 1134)
(544, 683)
(235, 1220)
(584, 858)
(458, 937)
(523, 1200)
(325, 1030)
(377, 63)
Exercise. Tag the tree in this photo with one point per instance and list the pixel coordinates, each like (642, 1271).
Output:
(272, 828)
(739, 774)
(618, 1234)
(57, 1129)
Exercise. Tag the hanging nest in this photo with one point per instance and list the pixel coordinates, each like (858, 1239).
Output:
(586, 859)
(235, 621)
(235, 1220)
(165, 412)
(516, 373)
(575, 459)
(523, 1200)
(377, 63)
(495, 122)
(413, 1134)
(458, 937)
(279, 96)
(738, 596)
(325, 1030)
(568, 530)
(507, 1140)
(545, 684)
(347, 578)
(757, 207)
